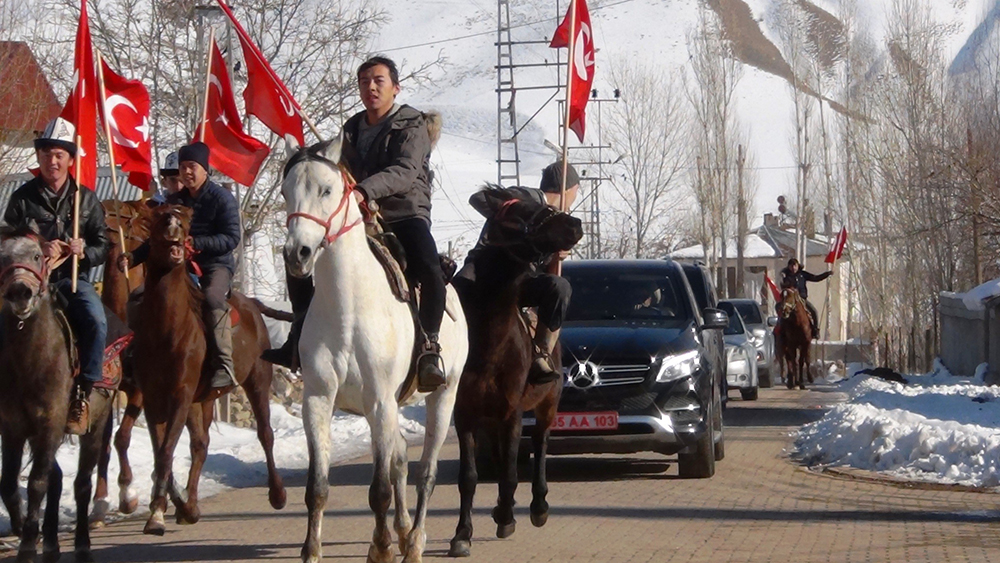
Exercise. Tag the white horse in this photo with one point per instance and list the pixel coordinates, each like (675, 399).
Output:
(355, 351)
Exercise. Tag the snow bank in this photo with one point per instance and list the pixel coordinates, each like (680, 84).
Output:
(974, 298)
(938, 428)
(235, 458)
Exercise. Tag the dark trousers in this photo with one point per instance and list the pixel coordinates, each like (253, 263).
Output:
(812, 313)
(423, 266)
(550, 294)
(85, 313)
(216, 281)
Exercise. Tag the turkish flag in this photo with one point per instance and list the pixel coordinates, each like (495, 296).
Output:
(266, 96)
(126, 109)
(233, 152)
(81, 107)
(774, 289)
(581, 62)
(837, 247)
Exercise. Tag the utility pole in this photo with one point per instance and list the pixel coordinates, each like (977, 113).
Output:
(741, 221)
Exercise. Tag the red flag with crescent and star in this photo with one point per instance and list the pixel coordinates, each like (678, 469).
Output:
(581, 63)
(232, 152)
(266, 96)
(81, 107)
(126, 109)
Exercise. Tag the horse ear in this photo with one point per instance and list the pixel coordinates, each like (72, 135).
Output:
(330, 150)
(487, 201)
(291, 145)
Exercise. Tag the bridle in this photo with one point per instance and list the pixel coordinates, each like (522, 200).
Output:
(311, 154)
(789, 303)
(527, 228)
(40, 274)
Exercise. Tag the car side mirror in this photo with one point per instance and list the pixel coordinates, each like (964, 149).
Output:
(715, 319)
(772, 322)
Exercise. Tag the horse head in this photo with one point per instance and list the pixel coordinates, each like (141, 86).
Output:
(529, 230)
(24, 271)
(317, 200)
(169, 242)
(789, 301)
(132, 217)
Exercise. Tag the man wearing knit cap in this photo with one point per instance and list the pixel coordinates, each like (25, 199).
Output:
(215, 230)
(548, 292)
(46, 203)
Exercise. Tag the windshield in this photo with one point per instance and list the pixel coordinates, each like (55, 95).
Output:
(636, 296)
(735, 322)
(750, 313)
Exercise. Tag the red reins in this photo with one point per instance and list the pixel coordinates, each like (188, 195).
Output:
(330, 238)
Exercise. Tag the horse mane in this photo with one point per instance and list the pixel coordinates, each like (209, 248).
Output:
(20, 231)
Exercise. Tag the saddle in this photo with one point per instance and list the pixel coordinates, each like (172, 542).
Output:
(118, 338)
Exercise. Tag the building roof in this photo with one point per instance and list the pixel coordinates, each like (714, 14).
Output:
(27, 102)
(763, 242)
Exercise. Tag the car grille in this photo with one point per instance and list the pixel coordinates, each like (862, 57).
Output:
(610, 375)
(631, 400)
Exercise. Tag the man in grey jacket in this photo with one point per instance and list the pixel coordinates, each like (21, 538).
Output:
(387, 147)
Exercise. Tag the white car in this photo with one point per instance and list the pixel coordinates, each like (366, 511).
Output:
(741, 355)
(761, 329)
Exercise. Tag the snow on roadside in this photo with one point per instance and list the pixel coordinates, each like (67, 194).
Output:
(235, 457)
(938, 428)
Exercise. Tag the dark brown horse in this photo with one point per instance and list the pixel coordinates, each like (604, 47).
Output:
(493, 392)
(36, 375)
(170, 342)
(796, 337)
(128, 219)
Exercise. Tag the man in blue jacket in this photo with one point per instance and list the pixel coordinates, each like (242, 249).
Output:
(215, 230)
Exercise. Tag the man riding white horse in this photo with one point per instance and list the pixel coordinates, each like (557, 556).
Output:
(46, 204)
(548, 292)
(387, 148)
(215, 234)
(795, 277)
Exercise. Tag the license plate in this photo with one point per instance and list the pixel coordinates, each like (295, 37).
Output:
(586, 421)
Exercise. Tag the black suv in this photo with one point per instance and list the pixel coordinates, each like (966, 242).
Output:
(639, 360)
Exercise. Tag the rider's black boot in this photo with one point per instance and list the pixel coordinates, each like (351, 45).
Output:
(430, 366)
(287, 355)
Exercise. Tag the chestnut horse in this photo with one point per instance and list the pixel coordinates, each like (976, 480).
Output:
(173, 372)
(493, 391)
(36, 375)
(132, 218)
(796, 337)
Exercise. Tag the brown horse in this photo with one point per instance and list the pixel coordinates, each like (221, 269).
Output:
(796, 337)
(36, 375)
(170, 340)
(128, 219)
(493, 391)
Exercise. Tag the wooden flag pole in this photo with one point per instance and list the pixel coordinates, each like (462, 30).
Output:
(208, 86)
(76, 210)
(111, 152)
(569, 101)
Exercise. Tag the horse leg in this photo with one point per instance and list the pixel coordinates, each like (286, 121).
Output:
(804, 365)
(44, 451)
(101, 504)
(198, 420)
(384, 423)
(439, 408)
(163, 458)
(12, 452)
(92, 451)
(461, 543)
(398, 471)
(545, 415)
(509, 442)
(258, 390)
(317, 411)
(789, 368)
(50, 527)
(128, 498)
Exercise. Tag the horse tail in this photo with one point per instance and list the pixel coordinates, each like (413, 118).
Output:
(271, 312)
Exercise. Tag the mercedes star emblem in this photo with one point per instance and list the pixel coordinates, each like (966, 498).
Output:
(583, 375)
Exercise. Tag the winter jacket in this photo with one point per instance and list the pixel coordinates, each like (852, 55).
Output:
(395, 173)
(32, 205)
(215, 226)
(798, 280)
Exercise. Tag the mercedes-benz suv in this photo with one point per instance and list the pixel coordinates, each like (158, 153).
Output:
(638, 366)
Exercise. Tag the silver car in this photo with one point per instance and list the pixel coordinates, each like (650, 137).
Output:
(741, 355)
(761, 330)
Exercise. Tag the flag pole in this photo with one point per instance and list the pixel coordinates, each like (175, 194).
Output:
(76, 209)
(111, 151)
(569, 101)
(208, 86)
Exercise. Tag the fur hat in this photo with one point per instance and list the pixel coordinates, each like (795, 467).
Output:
(195, 152)
(58, 133)
(552, 177)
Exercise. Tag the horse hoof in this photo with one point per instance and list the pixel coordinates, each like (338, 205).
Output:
(278, 498)
(129, 502)
(84, 556)
(460, 548)
(52, 555)
(187, 518)
(99, 514)
(505, 530)
(155, 526)
(802, 387)
(539, 520)
(376, 555)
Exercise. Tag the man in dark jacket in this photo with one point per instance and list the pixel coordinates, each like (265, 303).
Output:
(46, 204)
(215, 233)
(387, 147)
(795, 277)
(548, 292)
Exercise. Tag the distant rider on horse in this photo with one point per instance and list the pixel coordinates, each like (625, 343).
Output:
(45, 203)
(795, 277)
(548, 292)
(387, 148)
(215, 234)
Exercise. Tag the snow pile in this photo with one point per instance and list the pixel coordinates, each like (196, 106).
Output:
(938, 428)
(235, 457)
(975, 298)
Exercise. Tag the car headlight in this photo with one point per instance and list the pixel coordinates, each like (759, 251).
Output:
(679, 366)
